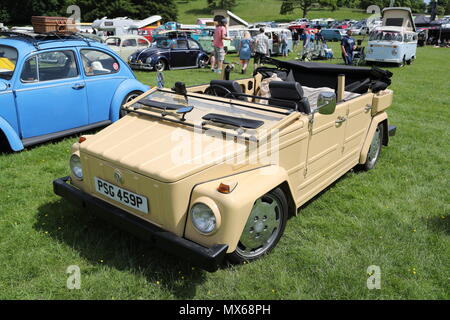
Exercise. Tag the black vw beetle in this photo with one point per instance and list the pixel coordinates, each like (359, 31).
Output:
(170, 53)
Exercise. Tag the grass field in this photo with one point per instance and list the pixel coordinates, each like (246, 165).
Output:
(261, 10)
(395, 216)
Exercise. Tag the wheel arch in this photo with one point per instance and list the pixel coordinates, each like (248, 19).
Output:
(236, 206)
(10, 135)
(165, 59)
(380, 118)
(126, 87)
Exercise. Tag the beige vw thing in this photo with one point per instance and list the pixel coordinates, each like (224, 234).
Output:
(213, 171)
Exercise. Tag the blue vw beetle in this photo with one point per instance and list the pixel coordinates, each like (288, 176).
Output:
(52, 86)
(170, 53)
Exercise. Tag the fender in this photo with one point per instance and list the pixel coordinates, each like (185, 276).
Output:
(234, 207)
(161, 57)
(14, 140)
(125, 88)
(201, 55)
(376, 120)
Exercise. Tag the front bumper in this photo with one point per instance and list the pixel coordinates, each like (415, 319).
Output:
(140, 66)
(206, 258)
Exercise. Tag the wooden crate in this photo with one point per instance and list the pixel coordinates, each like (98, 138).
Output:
(52, 24)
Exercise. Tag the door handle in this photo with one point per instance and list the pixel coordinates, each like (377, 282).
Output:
(78, 86)
(340, 120)
(368, 108)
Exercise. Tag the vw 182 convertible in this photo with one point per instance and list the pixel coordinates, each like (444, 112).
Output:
(212, 172)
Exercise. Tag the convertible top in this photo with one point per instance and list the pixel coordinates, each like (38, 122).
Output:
(316, 74)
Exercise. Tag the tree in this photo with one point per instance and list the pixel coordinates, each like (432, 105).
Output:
(290, 5)
(20, 12)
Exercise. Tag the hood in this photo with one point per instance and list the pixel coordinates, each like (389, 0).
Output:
(160, 150)
(147, 52)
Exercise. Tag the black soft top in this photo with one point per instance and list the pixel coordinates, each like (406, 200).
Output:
(316, 74)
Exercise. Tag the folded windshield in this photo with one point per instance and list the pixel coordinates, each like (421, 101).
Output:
(214, 112)
(8, 60)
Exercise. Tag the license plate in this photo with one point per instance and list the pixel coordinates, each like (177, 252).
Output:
(128, 198)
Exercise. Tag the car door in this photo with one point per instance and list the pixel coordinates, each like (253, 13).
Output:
(358, 120)
(102, 76)
(51, 94)
(179, 53)
(324, 155)
(194, 51)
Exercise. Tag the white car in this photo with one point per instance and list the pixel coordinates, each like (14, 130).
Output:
(126, 45)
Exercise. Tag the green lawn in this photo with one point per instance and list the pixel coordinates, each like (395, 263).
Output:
(261, 10)
(395, 216)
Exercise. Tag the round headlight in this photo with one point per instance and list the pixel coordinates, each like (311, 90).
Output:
(148, 60)
(203, 218)
(75, 166)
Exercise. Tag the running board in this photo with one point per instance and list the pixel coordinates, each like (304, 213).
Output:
(51, 136)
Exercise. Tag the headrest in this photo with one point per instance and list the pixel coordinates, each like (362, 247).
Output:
(287, 90)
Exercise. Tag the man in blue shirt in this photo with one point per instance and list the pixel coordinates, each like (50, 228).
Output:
(347, 46)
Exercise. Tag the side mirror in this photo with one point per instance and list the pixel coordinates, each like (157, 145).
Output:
(183, 112)
(160, 79)
(3, 86)
(326, 103)
(180, 88)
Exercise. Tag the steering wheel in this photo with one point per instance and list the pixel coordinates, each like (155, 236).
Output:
(219, 91)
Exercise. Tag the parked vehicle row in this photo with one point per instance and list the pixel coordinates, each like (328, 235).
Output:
(56, 86)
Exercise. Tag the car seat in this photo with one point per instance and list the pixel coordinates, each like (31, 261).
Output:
(282, 91)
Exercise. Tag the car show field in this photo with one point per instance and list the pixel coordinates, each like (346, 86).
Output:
(395, 217)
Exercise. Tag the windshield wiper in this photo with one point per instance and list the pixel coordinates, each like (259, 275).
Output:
(234, 121)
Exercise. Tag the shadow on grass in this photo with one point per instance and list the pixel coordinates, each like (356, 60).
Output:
(439, 224)
(103, 244)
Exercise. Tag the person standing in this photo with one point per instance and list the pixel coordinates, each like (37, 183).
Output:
(319, 36)
(245, 51)
(261, 48)
(347, 47)
(220, 34)
(295, 38)
(284, 44)
(306, 38)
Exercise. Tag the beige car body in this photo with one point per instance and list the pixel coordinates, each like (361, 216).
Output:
(313, 153)
(126, 45)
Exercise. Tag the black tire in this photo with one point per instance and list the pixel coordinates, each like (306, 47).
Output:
(128, 98)
(202, 62)
(375, 149)
(160, 65)
(258, 227)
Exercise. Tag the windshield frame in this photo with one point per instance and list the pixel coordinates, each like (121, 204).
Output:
(3, 74)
